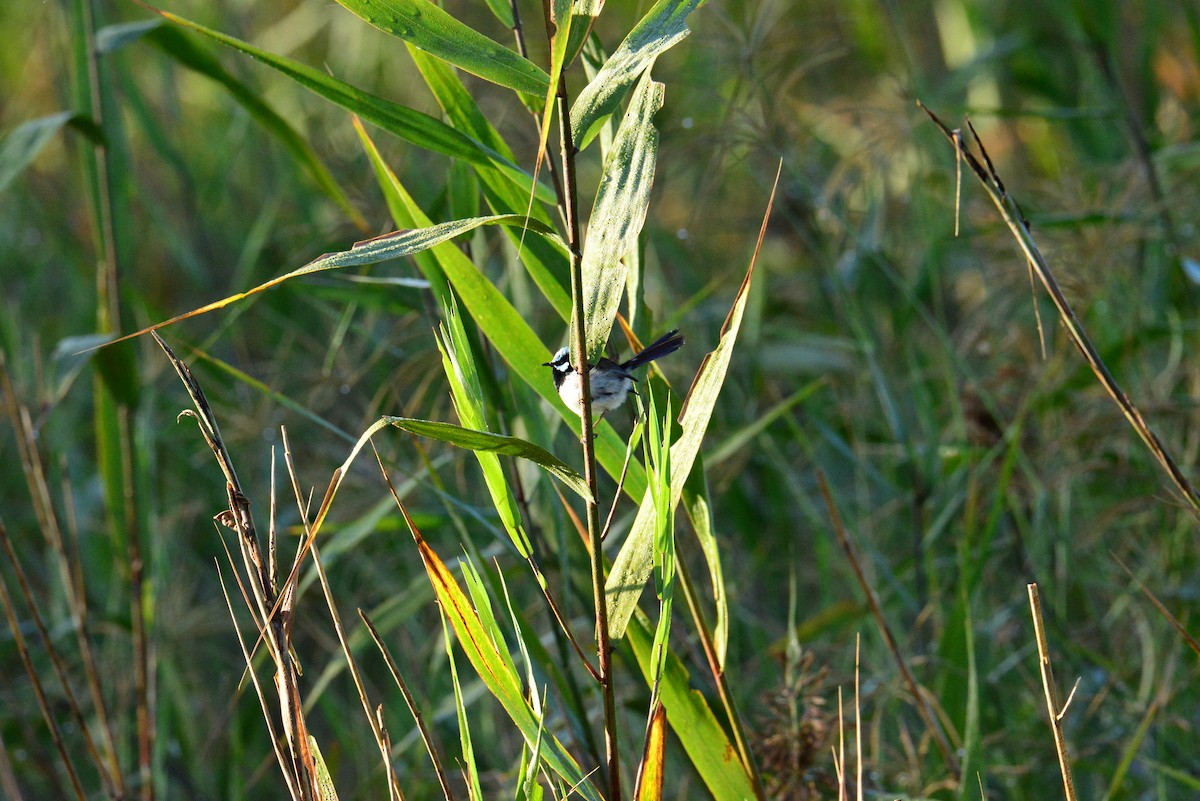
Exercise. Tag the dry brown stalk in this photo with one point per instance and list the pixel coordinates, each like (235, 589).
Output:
(927, 717)
(1011, 214)
(271, 608)
(1056, 714)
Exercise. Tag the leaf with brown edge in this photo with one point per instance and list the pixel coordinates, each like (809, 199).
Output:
(635, 560)
(497, 674)
(650, 772)
(371, 251)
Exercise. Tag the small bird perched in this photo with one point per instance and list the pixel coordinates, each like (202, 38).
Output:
(610, 382)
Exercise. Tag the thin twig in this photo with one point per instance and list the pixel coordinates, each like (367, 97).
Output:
(34, 679)
(335, 617)
(858, 722)
(1060, 740)
(285, 765)
(60, 669)
(1145, 157)
(1174, 621)
(274, 632)
(922, 704)
(70, 576)
(1010, 212)
(410, 702)
(704, 632)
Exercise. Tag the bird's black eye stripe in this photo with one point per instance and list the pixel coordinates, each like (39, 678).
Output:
(561, 360)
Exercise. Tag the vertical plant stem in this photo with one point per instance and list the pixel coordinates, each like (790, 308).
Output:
(1060, 740)
(579, 350)
(113, 413)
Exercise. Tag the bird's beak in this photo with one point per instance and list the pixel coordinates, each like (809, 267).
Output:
(547, 364)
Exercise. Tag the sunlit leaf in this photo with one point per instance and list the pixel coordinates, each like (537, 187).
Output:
(664, 26)
(635, 560)
(650, 773)
(494, 671)
(619, 213)
(372, 251)
(433, 30)
(707, 745)
(493, 443)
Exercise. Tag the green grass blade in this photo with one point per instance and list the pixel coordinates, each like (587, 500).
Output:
(972, 747)
(619, 213)
(436, 32)
(23, 143)
(182, 49)
(699, 511)
(325, 786)
(493, 670)
(372, 251)
(468, 400)
(474, 791)
(658, 447)
(664, 26)
(483, 608)
(705, 742)
(483, 441)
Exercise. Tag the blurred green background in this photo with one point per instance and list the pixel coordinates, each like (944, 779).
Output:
(965, 463)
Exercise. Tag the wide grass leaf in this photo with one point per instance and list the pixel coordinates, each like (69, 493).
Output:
(436, 32)
(463, 377)
(619, 213)
(635, 561)
(705, 742)
(664, 26)
(371, 251)
(22, 145)
(487, 442)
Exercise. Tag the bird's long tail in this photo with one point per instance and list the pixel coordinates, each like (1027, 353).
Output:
(667, 343)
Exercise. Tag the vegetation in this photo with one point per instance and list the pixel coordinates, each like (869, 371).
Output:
(928, 365)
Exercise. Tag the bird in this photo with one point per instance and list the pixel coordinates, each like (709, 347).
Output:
(610, 382)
